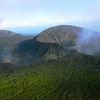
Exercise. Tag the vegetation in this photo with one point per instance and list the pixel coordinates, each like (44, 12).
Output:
(76, 78)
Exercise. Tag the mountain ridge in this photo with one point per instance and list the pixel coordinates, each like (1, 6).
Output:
(51, 44)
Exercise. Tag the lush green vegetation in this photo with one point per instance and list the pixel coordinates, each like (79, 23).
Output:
(69, 79)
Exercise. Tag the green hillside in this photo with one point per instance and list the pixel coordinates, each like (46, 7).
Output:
(75, 78)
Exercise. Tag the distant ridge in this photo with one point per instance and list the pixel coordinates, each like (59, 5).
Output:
(8, 42)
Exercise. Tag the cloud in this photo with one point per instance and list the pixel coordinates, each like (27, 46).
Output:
(11, 24)
(15, 13)
(23, 23)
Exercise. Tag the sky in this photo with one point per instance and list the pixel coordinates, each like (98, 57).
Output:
(32, 13)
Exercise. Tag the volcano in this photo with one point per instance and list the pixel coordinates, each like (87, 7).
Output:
(53, 43)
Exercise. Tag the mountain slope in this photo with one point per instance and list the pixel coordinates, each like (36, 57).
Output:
(74, 78)
(8, 42)
(59, 34)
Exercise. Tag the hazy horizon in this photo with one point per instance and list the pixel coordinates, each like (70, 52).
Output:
(40, 14)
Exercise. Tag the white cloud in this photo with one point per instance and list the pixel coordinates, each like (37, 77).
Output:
(11, 24)
(16, 13)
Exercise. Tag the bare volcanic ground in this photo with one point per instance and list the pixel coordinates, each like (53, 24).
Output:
(59, 34)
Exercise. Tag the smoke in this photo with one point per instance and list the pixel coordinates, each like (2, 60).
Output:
(89, 42)
(6, 55)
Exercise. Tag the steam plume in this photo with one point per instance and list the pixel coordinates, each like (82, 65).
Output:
(89, 41)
